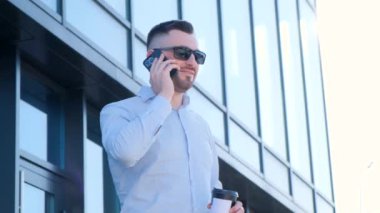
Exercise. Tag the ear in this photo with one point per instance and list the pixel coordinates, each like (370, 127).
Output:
(149, 52)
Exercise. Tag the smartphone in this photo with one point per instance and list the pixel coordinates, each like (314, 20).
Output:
(156, 54)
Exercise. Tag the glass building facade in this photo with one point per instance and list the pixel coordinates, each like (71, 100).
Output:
(261, 91)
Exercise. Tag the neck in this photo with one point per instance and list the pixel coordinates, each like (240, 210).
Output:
(177, 100)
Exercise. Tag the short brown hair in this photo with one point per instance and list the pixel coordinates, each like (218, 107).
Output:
(165, 27)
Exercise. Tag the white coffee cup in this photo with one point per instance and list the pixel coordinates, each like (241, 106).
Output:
(222, 200)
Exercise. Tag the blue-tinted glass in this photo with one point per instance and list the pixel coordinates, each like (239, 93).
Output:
(323, 206)
(140, 71)
(99, 26)
(207, 32)
(294, 89)
(93, 177)
(312, 3)
(109, 199)
(33, 130)
(302, 194)
(33, 199)
(120, 6)
(209, 112)
(269, 76)
(148, 13)
(244, 146)
(315, 101)
(240, 80)
(41, 119)
(276, 172)
(52, 4)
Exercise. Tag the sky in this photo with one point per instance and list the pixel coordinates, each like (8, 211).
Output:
(349, 33)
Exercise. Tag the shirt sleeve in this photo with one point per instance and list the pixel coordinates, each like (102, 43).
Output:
(215, 182)
(127, 137)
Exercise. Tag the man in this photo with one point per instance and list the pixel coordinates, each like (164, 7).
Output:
(162, 155)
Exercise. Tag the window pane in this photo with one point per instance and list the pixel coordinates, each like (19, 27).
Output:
(312, 3)
(238, 60)
(244, 146)
(52, 4)
(294, 89)
(148, 13)
(120, 6)
(98, 166)
(315, 101)
(207, 32)
(97, 25)
(33, 199)
(302, 194)
(323, 206)
(209, 112)
(140, 70)
(269, 76)
(276, 172)
(41, 119)
(33, 130)
(93, 124)
(93, 177)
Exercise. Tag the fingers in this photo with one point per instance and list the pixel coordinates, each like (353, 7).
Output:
(160, 76)
(153, 68)
(237, 208)
(160, 65)
(209, 206)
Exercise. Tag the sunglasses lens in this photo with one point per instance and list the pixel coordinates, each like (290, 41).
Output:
(200, 57)
(182, 53)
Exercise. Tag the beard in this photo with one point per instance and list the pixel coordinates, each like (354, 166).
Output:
(182, 83)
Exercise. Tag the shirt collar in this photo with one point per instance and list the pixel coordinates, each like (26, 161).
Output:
(147, 93)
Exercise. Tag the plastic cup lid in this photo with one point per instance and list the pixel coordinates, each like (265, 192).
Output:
(225, 194)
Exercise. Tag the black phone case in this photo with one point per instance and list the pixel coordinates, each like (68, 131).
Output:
(149, 61)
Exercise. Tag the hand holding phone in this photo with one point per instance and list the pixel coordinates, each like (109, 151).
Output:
(156, 54)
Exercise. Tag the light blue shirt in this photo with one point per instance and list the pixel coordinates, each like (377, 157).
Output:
(161, 159)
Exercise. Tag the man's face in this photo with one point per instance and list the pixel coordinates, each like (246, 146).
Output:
(188, 71)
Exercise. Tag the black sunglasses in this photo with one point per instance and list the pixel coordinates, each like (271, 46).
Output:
(184, 53)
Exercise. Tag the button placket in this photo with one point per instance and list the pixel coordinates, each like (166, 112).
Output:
(182, 119)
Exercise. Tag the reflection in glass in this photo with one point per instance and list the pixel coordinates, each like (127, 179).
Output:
(276, 172)
(33, 130)
(315, 101)
(240, 80)
(323, 206)
(100, 165)
(93, 177)
(302, 194)
(33, 199)
(245, 147)
(207, 33)
(294, 89)
(269, 76)
(97, 25)
(209, 112)
(120, 6)
(52, 4)
(148, 13)
(139, 69)
(41, 118)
